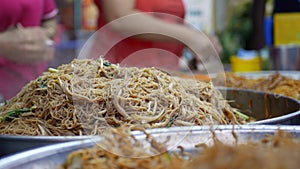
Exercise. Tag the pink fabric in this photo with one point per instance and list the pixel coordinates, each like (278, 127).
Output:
(28, 13)
(135, 52)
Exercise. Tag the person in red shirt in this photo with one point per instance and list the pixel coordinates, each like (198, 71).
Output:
(26, 30)
(153, 32)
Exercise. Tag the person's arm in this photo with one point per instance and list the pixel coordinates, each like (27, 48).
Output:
(49, 22)
(141, 22)
(31, 44)
(129, 21)
(25, 45)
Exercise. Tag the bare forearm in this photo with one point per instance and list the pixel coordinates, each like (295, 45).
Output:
(125, 19)
(25, 45)
(146, 27)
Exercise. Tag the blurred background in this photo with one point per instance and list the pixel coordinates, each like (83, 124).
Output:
(249, 43)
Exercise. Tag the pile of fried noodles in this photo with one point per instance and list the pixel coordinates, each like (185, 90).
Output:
(85, 97)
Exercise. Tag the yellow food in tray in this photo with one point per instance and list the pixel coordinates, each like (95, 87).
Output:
(274, 83)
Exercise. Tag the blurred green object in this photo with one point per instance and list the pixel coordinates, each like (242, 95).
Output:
(237, 32)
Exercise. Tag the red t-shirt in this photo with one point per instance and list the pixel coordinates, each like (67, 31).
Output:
(146, 53)
(28, 13)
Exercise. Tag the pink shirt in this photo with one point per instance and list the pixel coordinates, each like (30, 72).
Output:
(29, 13)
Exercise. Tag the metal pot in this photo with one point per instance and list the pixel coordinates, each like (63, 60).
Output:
(285, 57)
(266, 108)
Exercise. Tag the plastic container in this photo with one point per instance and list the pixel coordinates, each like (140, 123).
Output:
(90, 15)
(240, 64)
(286, 28)
(245, 61)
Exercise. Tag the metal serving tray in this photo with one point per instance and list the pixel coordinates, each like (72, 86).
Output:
(284, 111)
(266, 108)
(51, 157)
(259, 74)
(13, 144)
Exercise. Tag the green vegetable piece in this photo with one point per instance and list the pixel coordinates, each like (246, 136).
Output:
(106, 63)
(42, 83)
(173, 119)
(167, 157)
(242, 115)
(15, 113)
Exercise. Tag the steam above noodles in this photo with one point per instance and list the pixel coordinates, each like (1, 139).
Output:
(85, 97)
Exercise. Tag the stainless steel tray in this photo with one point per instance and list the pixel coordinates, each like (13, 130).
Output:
(284, 111)
(13, 144)
(266, 108)
(52, 156)
(292, 74)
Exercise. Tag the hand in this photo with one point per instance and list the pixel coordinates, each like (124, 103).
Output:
(26, 45)
(206, 51)
(216, 43)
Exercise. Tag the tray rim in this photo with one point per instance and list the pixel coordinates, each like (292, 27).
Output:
(46, 151)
